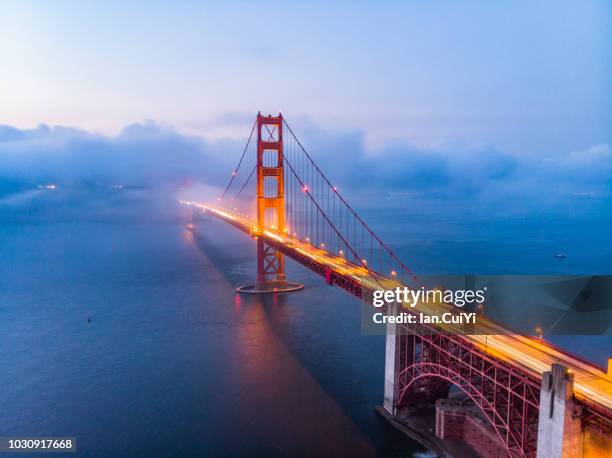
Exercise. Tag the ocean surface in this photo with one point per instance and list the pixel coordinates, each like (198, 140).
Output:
(131, 337)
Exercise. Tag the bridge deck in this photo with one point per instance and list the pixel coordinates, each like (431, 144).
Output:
(591, 384)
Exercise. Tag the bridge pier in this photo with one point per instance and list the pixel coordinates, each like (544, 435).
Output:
(559, 424)
(391, 365)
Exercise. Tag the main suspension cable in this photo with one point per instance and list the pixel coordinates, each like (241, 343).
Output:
(235, 171)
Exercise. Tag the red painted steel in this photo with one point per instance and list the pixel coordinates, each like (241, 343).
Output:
(508, 398)
(270, 262)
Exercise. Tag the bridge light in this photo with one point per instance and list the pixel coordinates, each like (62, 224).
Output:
(305, 188)
(341, 253)
(307, 239)
(335, 189)
(322, 246)
(394, 274)
(540, 332)
(364, 262)
(234, 173)
(295, 235)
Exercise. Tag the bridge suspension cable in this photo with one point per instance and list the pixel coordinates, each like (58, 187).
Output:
(315, 211)
(235, 172)
(329, 221)
(247, 181)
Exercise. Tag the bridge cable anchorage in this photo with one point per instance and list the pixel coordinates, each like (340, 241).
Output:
(310, 170)
(235, 171)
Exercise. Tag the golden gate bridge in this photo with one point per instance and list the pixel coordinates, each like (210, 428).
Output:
(538, 399)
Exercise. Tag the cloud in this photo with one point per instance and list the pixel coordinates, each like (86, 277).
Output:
(147, 162)
(143, 154)
(592, 163)
(466, 176)
(161, 160)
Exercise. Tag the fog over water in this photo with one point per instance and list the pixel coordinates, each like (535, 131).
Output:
(453, 178)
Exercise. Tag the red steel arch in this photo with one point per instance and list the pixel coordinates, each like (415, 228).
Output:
(508, 399)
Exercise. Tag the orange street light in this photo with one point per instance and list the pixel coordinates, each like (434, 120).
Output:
(540, 332)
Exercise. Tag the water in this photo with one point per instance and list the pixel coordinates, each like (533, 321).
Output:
(130, 337)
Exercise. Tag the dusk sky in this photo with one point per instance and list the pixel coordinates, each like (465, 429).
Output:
(524, 77)
(503, 106)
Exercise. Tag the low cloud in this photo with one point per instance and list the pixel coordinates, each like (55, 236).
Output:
(153, 162)
(146, 154)
(466, 178)
(137, 172)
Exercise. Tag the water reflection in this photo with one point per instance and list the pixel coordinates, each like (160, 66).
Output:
(281, 404)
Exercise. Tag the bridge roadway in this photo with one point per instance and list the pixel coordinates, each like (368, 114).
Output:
(592, 386)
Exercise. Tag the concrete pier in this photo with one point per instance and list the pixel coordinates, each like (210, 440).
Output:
(391, 391)
(559, 425)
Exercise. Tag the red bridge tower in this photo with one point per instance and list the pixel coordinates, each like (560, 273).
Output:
(270, 207)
